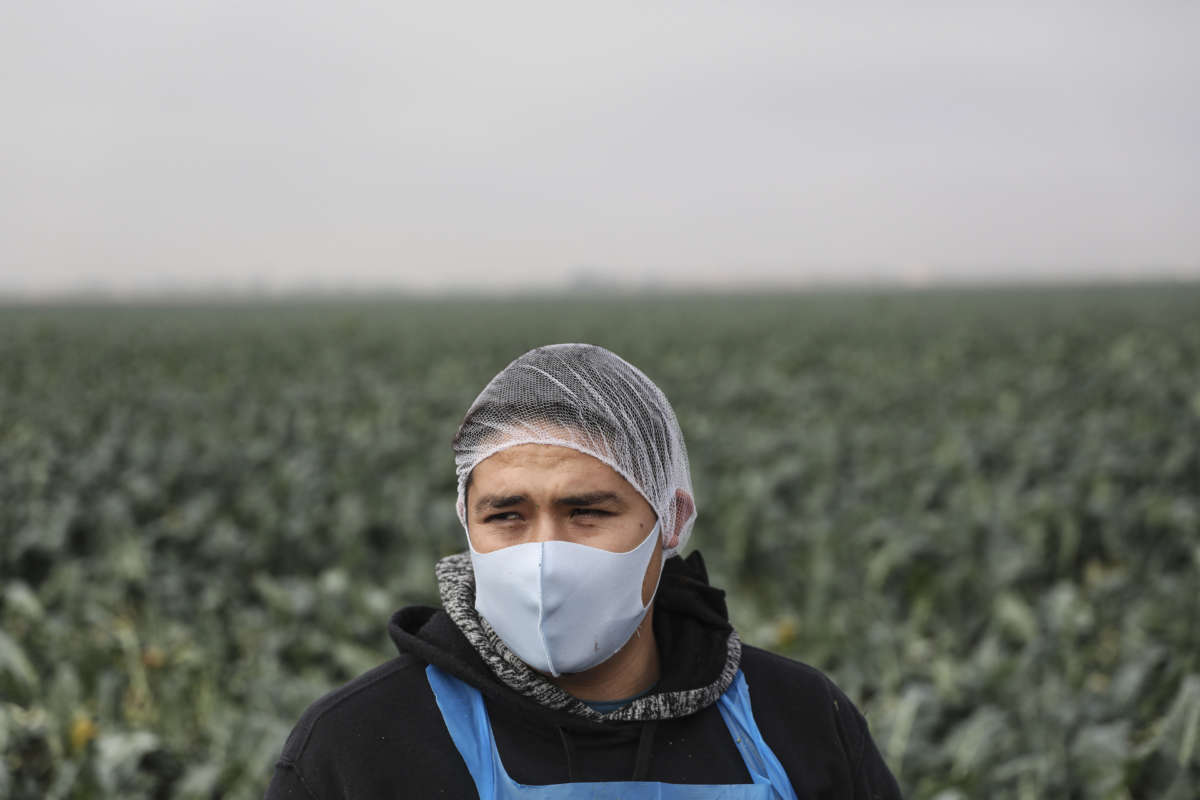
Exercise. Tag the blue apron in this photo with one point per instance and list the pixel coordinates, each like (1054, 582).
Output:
(466, 719)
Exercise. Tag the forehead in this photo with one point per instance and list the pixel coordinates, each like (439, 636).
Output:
(544, 472)
(545, 461)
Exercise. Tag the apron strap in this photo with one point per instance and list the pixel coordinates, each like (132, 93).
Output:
(761, 761)
(467, 721)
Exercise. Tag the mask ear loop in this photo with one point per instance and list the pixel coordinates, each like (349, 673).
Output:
(662, 561)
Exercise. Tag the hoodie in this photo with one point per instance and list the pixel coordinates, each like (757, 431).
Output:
(382, 734)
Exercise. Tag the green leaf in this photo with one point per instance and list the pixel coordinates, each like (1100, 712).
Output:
(16, 666)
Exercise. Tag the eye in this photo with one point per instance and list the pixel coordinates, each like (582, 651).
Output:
(590, 512)
(504, 516)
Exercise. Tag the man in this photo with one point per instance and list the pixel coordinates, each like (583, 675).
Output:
(576, 655)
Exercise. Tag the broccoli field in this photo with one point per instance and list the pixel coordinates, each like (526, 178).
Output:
(977, 510)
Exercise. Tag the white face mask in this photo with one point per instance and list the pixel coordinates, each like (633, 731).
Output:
(563, 607)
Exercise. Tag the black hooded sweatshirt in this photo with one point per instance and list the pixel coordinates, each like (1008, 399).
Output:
(382, 735)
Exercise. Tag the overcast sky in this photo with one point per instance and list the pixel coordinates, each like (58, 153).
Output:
(153, 145)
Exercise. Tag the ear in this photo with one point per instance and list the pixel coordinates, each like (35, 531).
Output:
(685, 507)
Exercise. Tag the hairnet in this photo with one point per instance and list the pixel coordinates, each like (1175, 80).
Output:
(591, 400)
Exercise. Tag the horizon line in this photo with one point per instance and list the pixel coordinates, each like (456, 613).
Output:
(235, 293)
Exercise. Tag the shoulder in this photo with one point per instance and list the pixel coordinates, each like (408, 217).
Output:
(795, 682)
(349, 706)
(357, 740)
(801, 712)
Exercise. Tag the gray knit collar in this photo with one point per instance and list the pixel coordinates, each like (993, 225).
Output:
(456, 584)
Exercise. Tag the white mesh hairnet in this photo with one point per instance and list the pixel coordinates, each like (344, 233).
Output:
(589, 399)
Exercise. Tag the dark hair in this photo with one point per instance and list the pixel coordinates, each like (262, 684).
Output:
(607, 405)
(477, 426)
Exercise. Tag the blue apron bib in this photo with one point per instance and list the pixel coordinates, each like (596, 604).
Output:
(467, 720)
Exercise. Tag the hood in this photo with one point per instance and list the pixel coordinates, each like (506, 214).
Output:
(699, 652)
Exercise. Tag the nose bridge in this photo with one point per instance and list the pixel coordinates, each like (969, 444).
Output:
(547, 527)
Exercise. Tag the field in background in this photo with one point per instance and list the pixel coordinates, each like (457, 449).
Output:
(978, 511)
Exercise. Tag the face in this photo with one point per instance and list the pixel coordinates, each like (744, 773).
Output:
(539, 492)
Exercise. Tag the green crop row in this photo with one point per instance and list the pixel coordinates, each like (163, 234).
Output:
(979, 511)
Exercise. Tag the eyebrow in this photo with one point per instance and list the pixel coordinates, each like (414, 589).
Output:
(590, 499)
(499, 501)
(495, 501)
